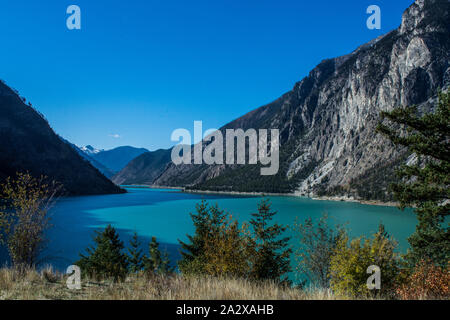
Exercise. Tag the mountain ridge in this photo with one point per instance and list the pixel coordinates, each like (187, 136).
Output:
(327, 121)
(29, 144)
(145, 168)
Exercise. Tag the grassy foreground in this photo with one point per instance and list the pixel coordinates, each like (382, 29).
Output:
(33, 285)
(50, 285)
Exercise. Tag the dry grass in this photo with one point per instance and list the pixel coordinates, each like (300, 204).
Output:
(50, 285)
(32, 285)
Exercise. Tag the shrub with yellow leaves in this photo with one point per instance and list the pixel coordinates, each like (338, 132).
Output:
(226, 250)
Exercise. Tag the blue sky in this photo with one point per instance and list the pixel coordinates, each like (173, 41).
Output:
(139, 69)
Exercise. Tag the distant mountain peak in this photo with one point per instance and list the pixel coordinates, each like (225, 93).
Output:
(90, 149)
(114, 159)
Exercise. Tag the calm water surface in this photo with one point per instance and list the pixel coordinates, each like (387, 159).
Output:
(165, 214)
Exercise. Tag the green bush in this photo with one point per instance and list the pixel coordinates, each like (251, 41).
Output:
(227, 250)
(317, 243)
(350, 261)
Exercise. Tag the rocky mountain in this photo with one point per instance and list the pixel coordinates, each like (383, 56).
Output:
(28, 143)
(115, 159)
(327, 121)
(144, 169)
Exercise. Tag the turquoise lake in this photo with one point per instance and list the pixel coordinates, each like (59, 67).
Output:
(165, 214)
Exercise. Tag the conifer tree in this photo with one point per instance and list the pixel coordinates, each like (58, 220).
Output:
(135, 256)
(165, 267)
(424, 185)
(106, 260)
(207, 222)
(192, 249)
(156, 262)
(153, 261)
(271, 255)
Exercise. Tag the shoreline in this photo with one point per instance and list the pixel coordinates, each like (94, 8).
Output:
(239, 193)
(366, 202)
